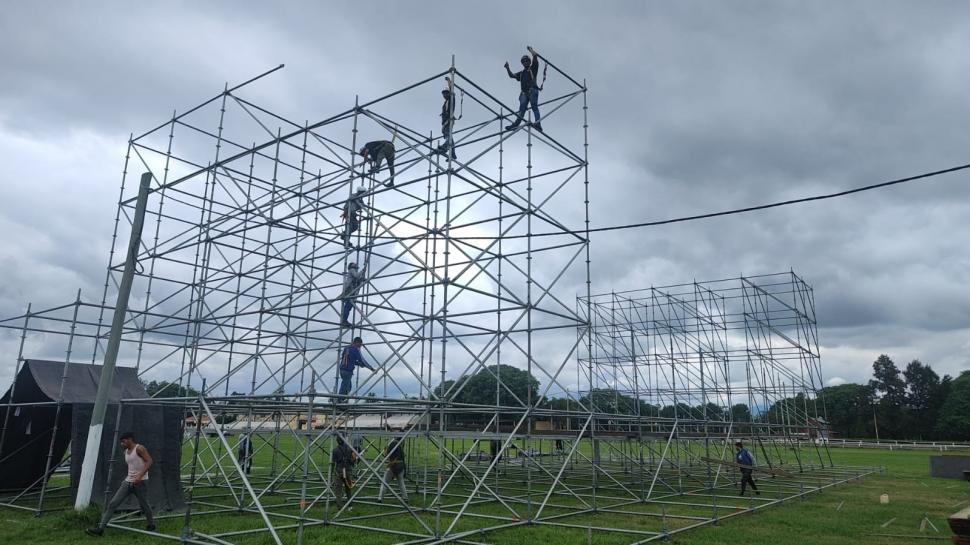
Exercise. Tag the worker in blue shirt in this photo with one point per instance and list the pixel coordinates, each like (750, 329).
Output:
(350, 359)
(746, 461)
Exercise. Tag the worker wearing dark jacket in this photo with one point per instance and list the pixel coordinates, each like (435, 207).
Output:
(529, 89)
(342, 461)
(746, 461)
(377, 152)
(350, 359)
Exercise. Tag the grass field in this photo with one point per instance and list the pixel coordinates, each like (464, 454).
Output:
(848, 513)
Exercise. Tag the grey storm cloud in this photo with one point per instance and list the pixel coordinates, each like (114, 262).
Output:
(694, 107)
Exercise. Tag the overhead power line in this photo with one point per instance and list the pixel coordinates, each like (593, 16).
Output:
(918, 177)
(923, 176)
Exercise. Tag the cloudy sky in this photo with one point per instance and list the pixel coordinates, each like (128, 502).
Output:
(694, 107)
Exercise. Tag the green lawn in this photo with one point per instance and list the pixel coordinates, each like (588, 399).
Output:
(816, 519)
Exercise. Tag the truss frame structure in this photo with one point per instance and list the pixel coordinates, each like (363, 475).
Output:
(238, 302)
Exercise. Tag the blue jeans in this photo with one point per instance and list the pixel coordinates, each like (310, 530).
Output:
(348, 305)
(532, 97)
(346, 382)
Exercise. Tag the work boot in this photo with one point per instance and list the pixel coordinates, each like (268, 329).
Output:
(389, 184)
(537, 126)
(97, 531)
(150, 527)
(512, 127)
(453, 155)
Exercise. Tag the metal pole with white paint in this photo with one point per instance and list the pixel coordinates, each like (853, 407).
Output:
(93, 447)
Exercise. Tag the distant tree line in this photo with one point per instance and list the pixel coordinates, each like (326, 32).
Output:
(914, 403)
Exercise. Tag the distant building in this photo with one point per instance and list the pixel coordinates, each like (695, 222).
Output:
(818, 428)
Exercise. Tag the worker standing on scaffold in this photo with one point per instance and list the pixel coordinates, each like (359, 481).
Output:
(529, 88)
(377, 152)
(447, 120)
(353, 280)
(351, 359)
(351, 214)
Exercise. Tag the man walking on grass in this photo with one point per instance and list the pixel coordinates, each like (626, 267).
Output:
(342, 462)
(744, 458)
(395, 470)
(139, 462)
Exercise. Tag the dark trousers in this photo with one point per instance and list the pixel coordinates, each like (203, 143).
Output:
(448, 142)
(353, 223)
(348, 305)
(346, 382)
(386, 153)
(140, 490)
(746, 479)
(525, 99)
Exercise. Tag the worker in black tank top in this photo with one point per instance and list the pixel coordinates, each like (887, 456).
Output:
(529, 89)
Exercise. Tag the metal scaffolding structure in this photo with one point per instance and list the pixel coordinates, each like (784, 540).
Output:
(472, 263)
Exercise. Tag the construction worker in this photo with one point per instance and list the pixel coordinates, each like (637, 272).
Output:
(139, 461)
(529, 89)
(245, 453)
(351, 359)
(352, 214)
(447, 120)
(353, 280)
(395, 469)
(342, 461)
(377, 152)
(746, 461)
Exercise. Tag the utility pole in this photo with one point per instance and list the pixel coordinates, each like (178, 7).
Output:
(874, 422)
(93, 447)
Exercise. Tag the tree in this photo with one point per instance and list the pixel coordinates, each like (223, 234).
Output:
(164, 388)
(514, 391)
(849, 409)
(480, 388)
(891, 390)
(740, 412)
(887, 382)
(608, 400)
(922, 399)
(789, 410)
(680, 410)
(954, 420)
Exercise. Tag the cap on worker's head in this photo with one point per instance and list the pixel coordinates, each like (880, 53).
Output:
(738, 444)
(352, 265)
(358, 340)
(445, 92)
(525, 58)
(340, 440)
(360, 189)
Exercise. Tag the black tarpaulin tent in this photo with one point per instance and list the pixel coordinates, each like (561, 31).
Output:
(31, 437)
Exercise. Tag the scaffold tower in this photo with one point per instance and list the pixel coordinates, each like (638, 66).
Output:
(472, 263)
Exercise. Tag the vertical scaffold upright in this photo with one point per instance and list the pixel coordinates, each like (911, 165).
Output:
(471, 264)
